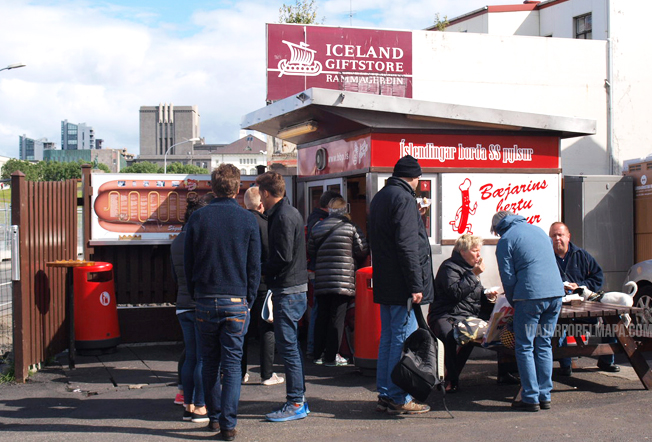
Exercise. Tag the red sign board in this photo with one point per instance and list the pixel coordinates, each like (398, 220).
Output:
(467, 151)
(373, 61)
(335, 157)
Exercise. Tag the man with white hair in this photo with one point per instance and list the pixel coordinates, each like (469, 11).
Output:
(534, 288)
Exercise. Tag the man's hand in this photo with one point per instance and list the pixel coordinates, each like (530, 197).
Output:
(417, 297)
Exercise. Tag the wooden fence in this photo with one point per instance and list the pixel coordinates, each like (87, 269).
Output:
(46, 216)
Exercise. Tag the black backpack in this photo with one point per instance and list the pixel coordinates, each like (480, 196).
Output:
(421, 367)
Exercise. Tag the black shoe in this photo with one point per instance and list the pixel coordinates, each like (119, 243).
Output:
(611, 368)
(544, 405)
(228, 434)
(452, 387)
(213, 426)
(508, 379)
(566, 371)
(524, 406)
(187, 415)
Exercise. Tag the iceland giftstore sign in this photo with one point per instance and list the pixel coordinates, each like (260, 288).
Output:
(358, 60)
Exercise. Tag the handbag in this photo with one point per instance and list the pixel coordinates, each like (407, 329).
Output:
(502, 313)
(267, 313)
(421, 367)
(469, 329)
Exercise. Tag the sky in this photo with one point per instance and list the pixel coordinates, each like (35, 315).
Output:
(97, 62)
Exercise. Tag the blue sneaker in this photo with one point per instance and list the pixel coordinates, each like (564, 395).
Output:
(305, 404)
(289, 412)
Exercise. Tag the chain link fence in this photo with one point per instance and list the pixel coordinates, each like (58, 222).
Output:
(6, 311)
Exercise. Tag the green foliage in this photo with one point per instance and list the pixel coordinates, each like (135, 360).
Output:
(186, 169)
(31, 170)
(143, 167)
(9, 375)
(103, 167)
(440, 23)
(303, 11)
(46, 170)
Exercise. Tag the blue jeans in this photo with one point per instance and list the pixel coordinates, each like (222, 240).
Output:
(534, 325)
(394, 331)
(222, 324)
(288, 311)
(193, 389)
(310, 348)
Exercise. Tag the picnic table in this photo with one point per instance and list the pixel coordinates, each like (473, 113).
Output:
(632, 340)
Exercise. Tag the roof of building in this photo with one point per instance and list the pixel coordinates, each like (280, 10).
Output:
(249, 144)
(332, 112)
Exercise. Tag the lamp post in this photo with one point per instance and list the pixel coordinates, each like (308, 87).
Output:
(14, 66)
(165, 157)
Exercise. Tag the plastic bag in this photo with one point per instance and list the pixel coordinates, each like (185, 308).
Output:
(500, 315)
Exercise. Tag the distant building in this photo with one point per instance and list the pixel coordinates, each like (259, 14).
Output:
(77, 136)
(114, 159)
(247, 154)
(165, 125)
(30, 149)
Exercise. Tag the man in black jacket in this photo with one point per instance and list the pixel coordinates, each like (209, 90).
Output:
(287, 277)
(402, 269)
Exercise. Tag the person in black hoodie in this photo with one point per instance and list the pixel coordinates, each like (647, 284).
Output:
(459, 294)
(286, 276)
(402, 269)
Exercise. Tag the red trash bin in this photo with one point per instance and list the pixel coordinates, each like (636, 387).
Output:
(367, 321)
(96, 309)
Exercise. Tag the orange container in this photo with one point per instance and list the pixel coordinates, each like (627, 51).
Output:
(367, 321)
(96, 309)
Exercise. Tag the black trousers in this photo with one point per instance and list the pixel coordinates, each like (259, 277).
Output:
(454, 358)
(265, 332)
(329, 325)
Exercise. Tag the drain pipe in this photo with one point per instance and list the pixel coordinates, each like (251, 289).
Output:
(609, 87)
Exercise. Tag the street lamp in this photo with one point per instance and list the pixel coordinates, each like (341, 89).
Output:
(165, 157)
(14, 66)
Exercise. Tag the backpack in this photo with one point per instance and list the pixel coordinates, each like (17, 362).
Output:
(421, 367)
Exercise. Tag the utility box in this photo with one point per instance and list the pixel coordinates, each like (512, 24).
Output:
(599, 212)
(641, 171)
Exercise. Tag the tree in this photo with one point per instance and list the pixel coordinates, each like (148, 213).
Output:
(303, 11)
(440, 23)
(186, 169)
(143, 167)
(31, 170)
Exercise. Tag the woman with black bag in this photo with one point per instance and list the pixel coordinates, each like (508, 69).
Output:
(336, 245)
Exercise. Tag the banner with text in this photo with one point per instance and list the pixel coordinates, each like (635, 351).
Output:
(469, 201)
(300, 57)
(467, 151)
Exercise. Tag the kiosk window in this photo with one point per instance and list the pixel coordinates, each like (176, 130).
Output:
(424, 195)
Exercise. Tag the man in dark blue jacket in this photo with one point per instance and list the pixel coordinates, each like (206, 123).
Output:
(222, 266)
(578, 268)
(402, 270)
(287, 277)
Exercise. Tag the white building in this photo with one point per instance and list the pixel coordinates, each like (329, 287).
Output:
(605, 79)
(246, 153)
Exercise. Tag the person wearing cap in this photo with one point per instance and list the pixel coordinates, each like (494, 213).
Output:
(534, 288)
(402, 270)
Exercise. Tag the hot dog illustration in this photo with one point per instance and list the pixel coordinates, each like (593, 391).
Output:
(460, 223)
(140, 206)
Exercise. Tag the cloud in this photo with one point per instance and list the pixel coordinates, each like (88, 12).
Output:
(97, 62)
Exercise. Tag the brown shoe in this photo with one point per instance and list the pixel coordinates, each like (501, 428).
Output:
(228, 434)
(213, 426)
(408, 408)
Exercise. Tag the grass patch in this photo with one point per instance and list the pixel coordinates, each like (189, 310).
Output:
(9, 376)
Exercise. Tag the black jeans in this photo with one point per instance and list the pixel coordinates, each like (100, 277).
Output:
(330, 325)
(265, 332)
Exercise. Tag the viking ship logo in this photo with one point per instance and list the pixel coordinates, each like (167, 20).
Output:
(302, 61)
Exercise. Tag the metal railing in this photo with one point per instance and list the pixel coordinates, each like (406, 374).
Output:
(6, 311)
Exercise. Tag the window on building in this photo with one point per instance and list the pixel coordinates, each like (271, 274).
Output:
(243, 171)
(583, 27)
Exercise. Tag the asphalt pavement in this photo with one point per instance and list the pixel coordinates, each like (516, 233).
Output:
(128, 396)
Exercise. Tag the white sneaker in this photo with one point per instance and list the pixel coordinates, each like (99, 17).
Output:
(245, 378)
(274, 380)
